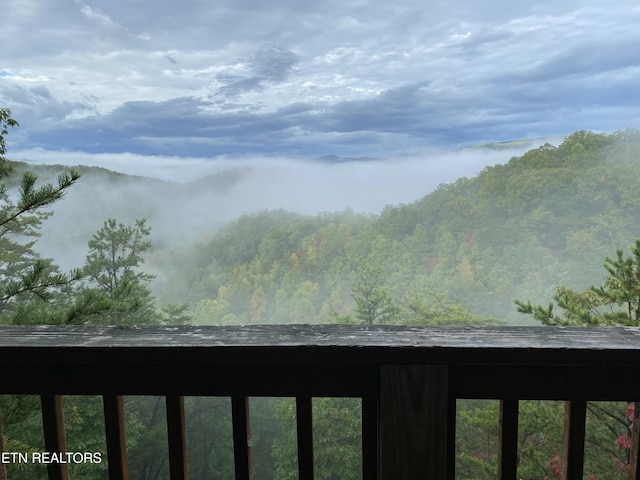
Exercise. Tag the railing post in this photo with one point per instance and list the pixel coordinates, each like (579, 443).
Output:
(575, 414)
(304, 427)
(370, 437)
(54, 435)
(241, 437)
(451, 437)
(414, 401)
(178, 466)
(508, 453)
(116, 439)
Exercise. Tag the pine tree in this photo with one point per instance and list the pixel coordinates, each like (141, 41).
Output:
(118, 291)
(115, 254)
(28, 283)
(614, 303)
(26, 280)
(374, 303)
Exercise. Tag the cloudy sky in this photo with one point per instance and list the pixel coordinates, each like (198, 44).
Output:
(202, 78)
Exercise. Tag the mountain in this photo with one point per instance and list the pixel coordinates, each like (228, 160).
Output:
(514, 231)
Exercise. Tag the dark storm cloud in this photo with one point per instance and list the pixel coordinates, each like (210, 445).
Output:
(409, 115)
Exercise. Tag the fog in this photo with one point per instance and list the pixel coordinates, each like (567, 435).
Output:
(187, 199)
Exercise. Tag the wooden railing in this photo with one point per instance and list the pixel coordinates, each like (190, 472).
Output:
(408, 379)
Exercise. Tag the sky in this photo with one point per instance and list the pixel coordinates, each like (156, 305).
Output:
(199, 79)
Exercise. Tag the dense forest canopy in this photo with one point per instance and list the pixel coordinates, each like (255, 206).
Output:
(515, 231)
(539, 225)
(518, 230)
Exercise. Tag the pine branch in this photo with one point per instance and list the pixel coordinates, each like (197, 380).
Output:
(31, 199)
(38, 281)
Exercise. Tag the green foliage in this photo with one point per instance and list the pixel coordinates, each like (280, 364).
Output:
(27, 282)
(615, 302)
(114, 252)
(337, 436)
(6, 122)
(176, 314)
(119, 294)
(374, 304)
(431, 308)
(210, 438)
(457, 256)
(540, 440)
(515, 229)
(34, 291)
(147, 451)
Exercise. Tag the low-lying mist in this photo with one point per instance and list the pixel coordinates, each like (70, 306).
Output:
(187, 199)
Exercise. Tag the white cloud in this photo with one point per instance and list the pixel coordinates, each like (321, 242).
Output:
(265, 58)
(96, 15)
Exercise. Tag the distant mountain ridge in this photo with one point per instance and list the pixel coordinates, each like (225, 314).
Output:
(544, 218)
(548, 217)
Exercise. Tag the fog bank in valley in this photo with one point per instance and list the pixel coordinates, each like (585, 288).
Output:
(187, 199)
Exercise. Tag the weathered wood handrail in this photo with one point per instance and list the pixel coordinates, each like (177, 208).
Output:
(408, 378)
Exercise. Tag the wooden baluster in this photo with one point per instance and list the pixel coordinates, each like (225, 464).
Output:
(370, 438)
(575, 414)
(508, 453)
(241, 437)
(414, 400)
(304, 424)
(54, 434)
(116, 438)
(178, 466)
(451, 438)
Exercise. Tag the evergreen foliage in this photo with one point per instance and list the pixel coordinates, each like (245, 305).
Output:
(115, 253)
(460, 255)
(26, 280)
(374, 303)
(34, 291)
(615, 302)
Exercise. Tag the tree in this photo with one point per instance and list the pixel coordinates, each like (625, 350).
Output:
(119, 293)
(337, 437)
(374, 303)
(33, 290)
(615, 302)
(430, 308)
(115, 253)
(24, 276)
(5, 122)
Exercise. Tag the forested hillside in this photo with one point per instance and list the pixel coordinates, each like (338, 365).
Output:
(546, 218)
(516, 230)
(460, 255)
